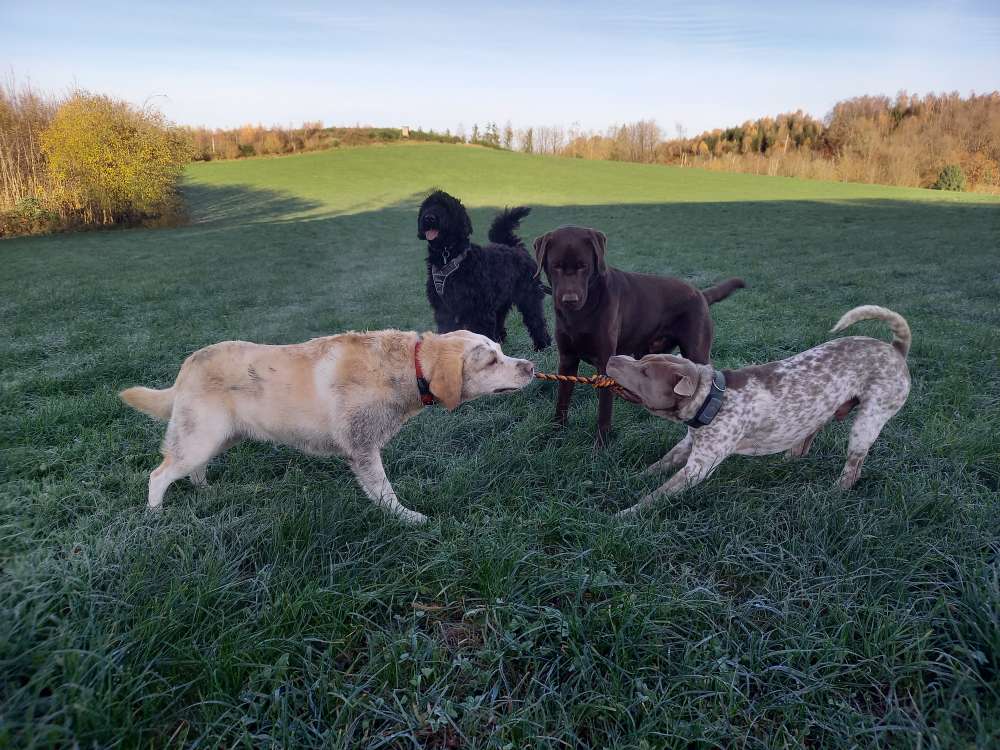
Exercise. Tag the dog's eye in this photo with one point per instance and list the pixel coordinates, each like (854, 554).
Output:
(494, 360)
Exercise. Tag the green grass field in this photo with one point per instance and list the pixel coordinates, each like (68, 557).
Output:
(279, 608)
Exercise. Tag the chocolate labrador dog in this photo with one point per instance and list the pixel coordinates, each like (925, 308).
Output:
(602, 311)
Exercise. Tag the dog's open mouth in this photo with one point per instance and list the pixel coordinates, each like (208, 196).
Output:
(626, 394)
(431, 234)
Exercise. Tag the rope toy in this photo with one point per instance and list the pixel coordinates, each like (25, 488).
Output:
(597, 380)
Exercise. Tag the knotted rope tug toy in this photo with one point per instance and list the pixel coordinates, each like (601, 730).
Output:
(597, 380)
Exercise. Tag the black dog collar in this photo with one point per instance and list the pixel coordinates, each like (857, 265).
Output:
(712, 403)
(440, 275)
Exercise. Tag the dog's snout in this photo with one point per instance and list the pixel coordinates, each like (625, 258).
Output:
(430, 220)
(570, 297)
(526, 368)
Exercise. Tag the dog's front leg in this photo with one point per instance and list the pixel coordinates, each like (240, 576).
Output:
(483, 322)
(569, 364)
(698, 468)
(605, 407)
(676, 456)
(605, 404)
(367, 467)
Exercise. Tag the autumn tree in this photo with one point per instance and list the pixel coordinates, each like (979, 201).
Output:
(112, 161)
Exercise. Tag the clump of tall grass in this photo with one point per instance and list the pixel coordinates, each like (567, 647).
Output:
(24, 116)
(84, 160)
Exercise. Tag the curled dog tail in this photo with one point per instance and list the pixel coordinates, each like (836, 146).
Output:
(901, 336)
(157, 404)
(719, 292)
(502, 229)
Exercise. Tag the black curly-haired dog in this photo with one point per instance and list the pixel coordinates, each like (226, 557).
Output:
(472, 286)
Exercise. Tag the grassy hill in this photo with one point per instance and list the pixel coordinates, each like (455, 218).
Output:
(361, 179)
(763, 608)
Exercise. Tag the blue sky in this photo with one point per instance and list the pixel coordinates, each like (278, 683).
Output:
(441, 64)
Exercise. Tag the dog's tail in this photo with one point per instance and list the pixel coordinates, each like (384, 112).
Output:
(502, 229)
(901, 336)
(719, 292)
(157, 404)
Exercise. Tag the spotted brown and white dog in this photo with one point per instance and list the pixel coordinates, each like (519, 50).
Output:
(344, 395)
(779, 406)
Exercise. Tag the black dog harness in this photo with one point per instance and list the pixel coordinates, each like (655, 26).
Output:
(712, 403)
(440, 274)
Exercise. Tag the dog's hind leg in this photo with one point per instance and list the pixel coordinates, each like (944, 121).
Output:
(696, 345)
(501, 329)
(368, 469)
(159, 479)
(867, 425)
(197, 475)
(798, 451)
(532, 309)
(187, 448)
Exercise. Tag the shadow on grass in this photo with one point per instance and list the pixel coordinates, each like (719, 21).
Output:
(249, 204)
(210, 204)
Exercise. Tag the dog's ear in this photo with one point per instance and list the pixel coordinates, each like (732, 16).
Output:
(685, 386)
(446, 367)
(688, 382)
(541, 247)
(460, 216)
(600, 242)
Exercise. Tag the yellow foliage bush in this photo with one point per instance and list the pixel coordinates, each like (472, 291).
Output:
(112, 162)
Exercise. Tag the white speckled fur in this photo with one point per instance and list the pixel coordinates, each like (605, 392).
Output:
(780, 406)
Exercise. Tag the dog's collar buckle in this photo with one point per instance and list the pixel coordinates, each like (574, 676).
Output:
(440, 274)
(426, 397)
(712, 403)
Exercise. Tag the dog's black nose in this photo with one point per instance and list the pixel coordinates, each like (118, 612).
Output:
(430, 220)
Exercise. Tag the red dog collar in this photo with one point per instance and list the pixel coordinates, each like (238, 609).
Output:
(426, 397)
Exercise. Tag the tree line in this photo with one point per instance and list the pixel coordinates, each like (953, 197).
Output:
(938, 140)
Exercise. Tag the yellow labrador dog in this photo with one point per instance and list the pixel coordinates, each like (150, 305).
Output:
(344, 395)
